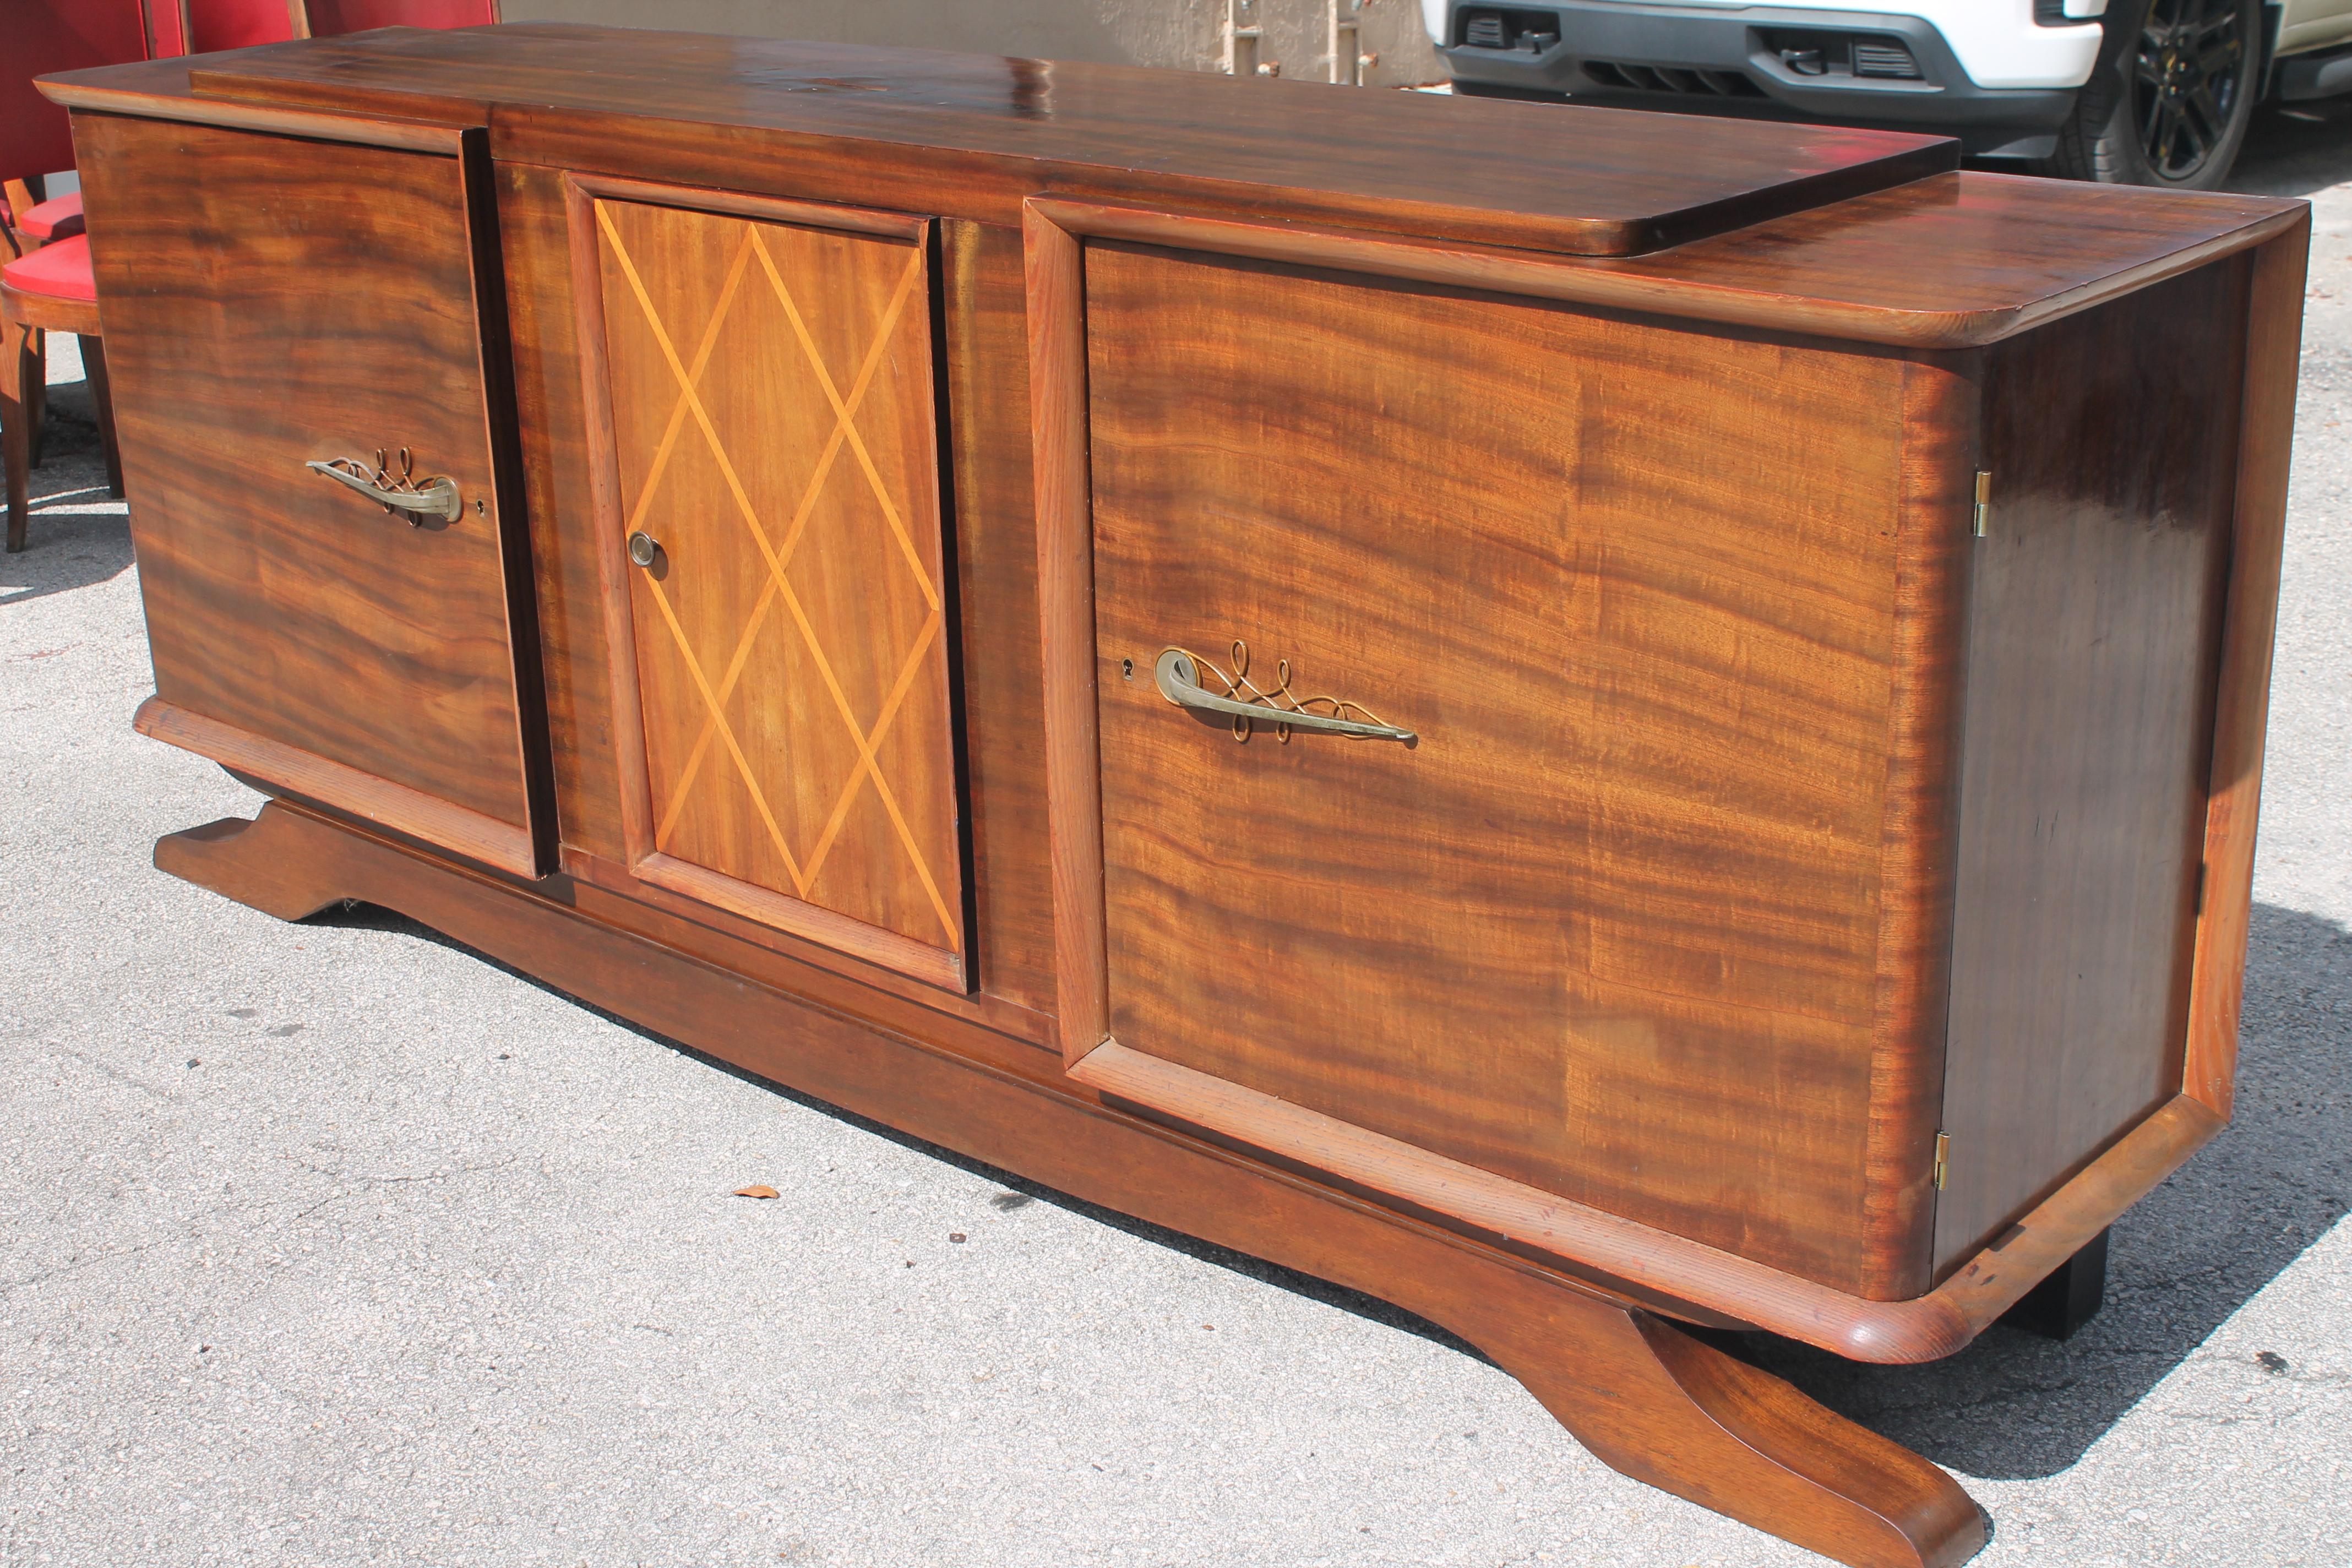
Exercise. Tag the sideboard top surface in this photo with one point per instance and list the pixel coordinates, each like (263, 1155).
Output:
(1580, 181)
(1783, 227)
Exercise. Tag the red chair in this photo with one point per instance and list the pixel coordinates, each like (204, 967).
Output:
(50, 290)
(236, 24)
(49, 286)
(45, 277)
(209, 24)
(329, 18)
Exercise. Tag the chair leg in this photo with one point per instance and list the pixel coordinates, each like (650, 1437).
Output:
(35, 394)
(101, 396)
(15, 442)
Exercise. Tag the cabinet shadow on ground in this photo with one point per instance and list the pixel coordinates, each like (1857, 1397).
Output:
(2014, 1407)
(2011, 1406)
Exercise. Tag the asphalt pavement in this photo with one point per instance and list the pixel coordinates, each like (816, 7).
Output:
(335, 1244)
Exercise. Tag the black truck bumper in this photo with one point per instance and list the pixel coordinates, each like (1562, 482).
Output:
(1851, 68)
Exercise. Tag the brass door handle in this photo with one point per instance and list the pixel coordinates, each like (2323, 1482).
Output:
(1177, 673)
(435, 497)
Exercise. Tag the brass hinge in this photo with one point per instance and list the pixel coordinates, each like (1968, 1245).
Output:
(1984, 500)
(1943, 1154)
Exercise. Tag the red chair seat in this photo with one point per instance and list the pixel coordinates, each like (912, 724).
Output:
(55, 218)
(60, 270)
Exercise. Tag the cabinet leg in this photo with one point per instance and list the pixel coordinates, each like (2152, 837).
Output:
(266, 863)
(1657, 1405)
(2070, 1297)
(1645, 1397)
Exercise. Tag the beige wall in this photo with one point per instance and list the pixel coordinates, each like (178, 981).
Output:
(1187, 35)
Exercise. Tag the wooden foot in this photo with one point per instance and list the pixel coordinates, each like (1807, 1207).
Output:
(233, 857)
(1653, 1401)
(1641, 1395)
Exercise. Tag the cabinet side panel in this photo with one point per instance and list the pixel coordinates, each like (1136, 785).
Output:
(2094, 636)
(2249, 624)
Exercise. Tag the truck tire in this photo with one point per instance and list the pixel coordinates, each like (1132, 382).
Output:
(2170, 98)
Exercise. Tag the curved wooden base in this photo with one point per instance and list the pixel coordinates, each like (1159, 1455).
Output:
(1645, 1397)
(1654, 1403)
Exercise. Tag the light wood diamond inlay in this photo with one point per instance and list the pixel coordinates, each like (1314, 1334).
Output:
(774, 431)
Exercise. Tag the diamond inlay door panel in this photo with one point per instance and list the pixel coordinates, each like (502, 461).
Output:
(775, 436)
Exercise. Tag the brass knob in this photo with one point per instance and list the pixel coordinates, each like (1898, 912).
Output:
(642, 548)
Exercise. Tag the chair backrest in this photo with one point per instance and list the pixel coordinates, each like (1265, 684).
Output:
(235, 24)
(44, 36)
(167, 28)
(330, 17)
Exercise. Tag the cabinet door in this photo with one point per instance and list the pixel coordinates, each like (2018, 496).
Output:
(766, 386)
(1607, 929)
(273, 304)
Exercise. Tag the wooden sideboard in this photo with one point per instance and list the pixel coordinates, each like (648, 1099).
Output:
(1588, 722)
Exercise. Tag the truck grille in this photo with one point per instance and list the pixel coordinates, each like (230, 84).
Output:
(1688, 79)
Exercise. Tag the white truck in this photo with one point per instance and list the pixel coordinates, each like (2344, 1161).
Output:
(2133, 91)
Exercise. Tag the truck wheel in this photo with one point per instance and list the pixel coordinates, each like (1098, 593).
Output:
(2170, 100)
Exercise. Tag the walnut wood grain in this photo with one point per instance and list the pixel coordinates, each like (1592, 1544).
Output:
(1065, 611)
(1944, 260)
(2093, 640)
(1763, 1447)
(310, 777)
(827, 929)
(1612, 929)
(494, 345)
(1666, 1267)
(583, 587)
(1627, 990)
(1644, 1397)
(2274, 335)
(281, 604)
(706, 928)
(1585, 180)
(985, 328)
(769, 382)
(586, 454)
(1966, 259)
(1954, 261)
(2046, 1236)
(1942, 398)
(74, 90)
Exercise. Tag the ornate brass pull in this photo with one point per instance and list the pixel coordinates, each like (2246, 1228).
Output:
(435, 497)
(1177, 673)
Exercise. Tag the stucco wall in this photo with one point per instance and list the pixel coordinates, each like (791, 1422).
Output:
(1187, 35)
